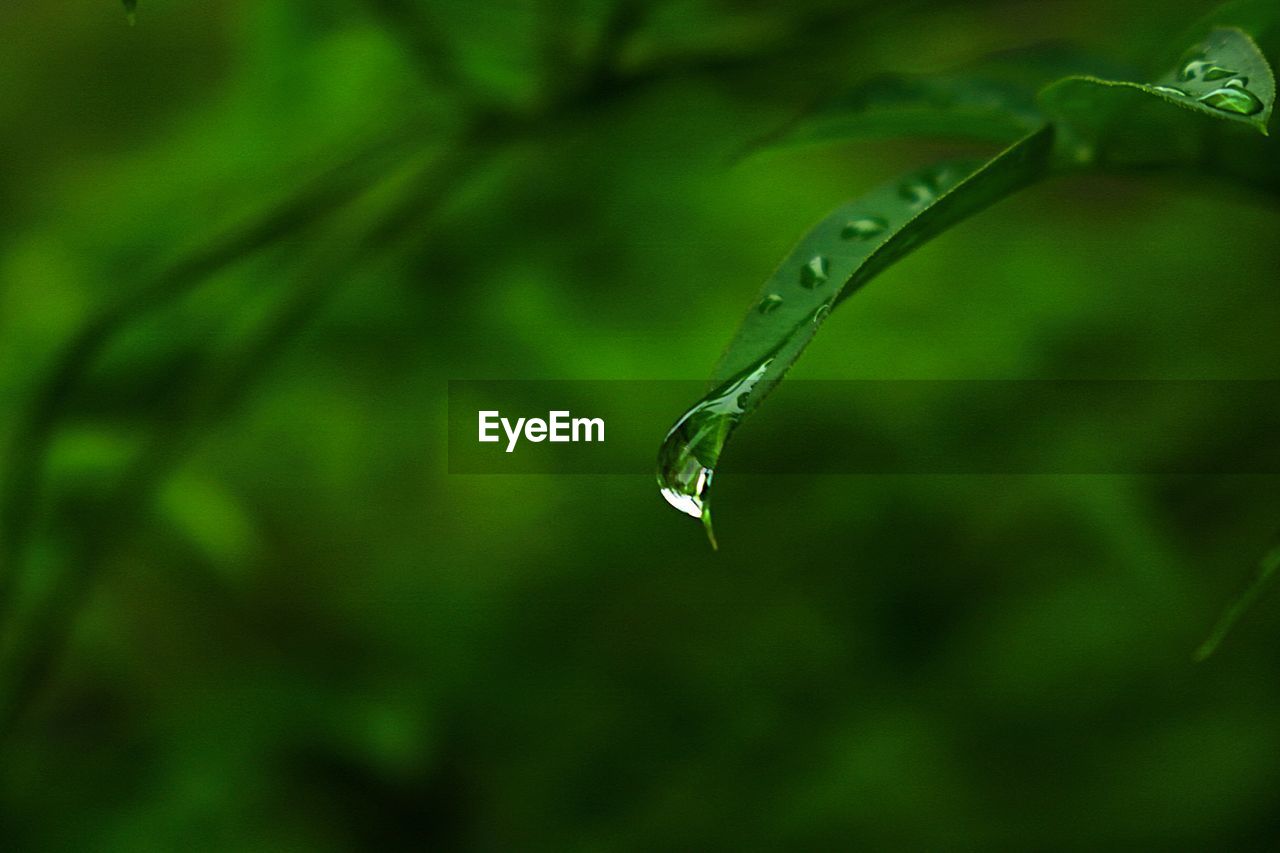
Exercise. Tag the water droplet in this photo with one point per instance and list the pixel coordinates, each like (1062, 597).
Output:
(1237, 83)
(1217, 72)
(815, 272)
(769, 304)
(1193, 68)
(918, 192)
(823, 311)
(691, 450)
(864, 228)
(1231, 99)
(1171, 90)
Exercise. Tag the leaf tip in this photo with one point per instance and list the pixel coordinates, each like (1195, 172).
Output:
(711, 531)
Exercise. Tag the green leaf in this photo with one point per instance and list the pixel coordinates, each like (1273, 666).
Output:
(835, 259)
(1185, 117)
(993, 100)
(1224, 77)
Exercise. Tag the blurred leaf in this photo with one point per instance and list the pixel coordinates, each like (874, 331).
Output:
(1267, 567)
(89, 458)
(210, 520)
(1258, 18)
(993, 100)
(836, 257)
(893, 105)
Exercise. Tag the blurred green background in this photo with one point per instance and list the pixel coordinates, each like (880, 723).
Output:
(244, 606)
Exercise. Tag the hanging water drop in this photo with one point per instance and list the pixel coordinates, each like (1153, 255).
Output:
(1232, 99)
(691, 450)
(864, 228)
(815, 272)
(769, 304)
(1217, 72)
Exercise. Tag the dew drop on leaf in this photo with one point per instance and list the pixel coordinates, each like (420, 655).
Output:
(816, 272)
(1232, 99)
(769, 304)
(1170, 90)
(864, 228)
(1194, 68)
(1217, 72)
(918, 192)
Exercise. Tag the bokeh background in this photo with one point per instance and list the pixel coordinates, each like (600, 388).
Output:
(243, 247)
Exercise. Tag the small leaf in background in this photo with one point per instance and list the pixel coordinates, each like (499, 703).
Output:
(902, 106)
(1258, 18)
(836, 257)
(992, 100)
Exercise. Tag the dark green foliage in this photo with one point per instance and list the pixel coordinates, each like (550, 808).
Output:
(245, 247)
